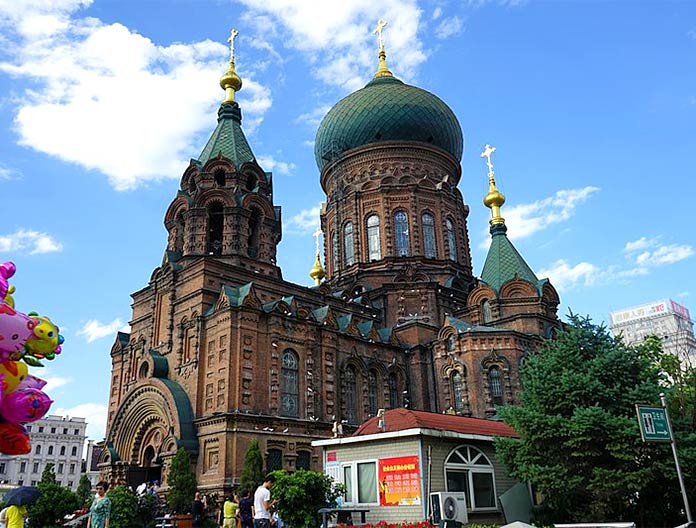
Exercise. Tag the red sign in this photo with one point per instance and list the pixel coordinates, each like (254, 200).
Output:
(331, 456)
(399, 481)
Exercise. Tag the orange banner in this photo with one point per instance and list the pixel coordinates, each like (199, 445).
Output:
(399, 481)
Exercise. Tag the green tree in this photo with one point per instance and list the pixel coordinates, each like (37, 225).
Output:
(301, 494)
(124, 508)
(148, 505)
(84, 489)
(579, 443)
(54, 502)
(252, 471)
(182, 483)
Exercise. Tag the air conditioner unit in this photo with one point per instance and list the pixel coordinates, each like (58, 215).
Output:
(449, 506)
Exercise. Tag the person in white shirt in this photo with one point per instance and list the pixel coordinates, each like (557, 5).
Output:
(263, 504)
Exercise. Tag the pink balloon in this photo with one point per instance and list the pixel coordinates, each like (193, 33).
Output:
(15, 329)
(26, 405)
(7, 270)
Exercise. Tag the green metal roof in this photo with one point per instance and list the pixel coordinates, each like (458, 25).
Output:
(387, 109)
(503, 261)
(227, 138)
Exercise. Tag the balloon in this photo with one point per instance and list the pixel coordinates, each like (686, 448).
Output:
(46, 340)
(15, 329)
(25, 405)
(14, 439)
(7, 270)
(13, 373)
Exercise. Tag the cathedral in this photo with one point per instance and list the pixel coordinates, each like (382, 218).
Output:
(223, 350)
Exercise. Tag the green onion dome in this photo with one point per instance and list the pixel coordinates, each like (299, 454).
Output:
(387, 109)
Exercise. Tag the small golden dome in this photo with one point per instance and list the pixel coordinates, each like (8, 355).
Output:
(494, 198)
(317, 272)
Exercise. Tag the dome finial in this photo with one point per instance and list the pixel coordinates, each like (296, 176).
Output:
(317, 272)
(494, 199)
(382, 70)
(230, 82)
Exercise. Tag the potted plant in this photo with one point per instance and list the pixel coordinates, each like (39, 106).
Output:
(182, 488)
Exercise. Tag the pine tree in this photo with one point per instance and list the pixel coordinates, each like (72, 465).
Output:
(252, 472)
(182, 483)
(84, 489)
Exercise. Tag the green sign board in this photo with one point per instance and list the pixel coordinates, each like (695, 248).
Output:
(653, 424)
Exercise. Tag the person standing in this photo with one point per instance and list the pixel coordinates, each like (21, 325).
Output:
(229, 513)
(246, 510)
(15, 515)
(198, 510)
(263, 504)
(100, 511)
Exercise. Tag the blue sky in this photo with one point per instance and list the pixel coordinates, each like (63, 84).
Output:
(591, 105)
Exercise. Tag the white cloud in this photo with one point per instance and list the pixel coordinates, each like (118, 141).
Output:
(93, 81)
(306, 221)
(52, 381)
(564, 276)
(524, 220)
(448, 27)
(29, 240)
(314, 117)
(668, 254)
(437, 13)
(6, 173)
(93, 329)
(268, 163)
(684, 294)
(342, 32)
(637, 245)
(95, 415)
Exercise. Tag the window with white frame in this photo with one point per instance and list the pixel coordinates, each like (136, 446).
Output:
(373, 239)
(360, 480)
(467, 469)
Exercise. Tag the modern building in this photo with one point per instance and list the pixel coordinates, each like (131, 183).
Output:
(666, 319)
(223, 350)
(55, 439)
(90, 464)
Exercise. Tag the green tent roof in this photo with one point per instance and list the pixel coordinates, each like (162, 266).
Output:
(504, 261)
(227, 138)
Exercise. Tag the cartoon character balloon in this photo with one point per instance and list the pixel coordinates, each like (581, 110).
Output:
(24, 340)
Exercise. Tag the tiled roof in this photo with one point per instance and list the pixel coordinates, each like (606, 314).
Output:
(402, 419)
(503, 261)
(386, 109)
(227, 138)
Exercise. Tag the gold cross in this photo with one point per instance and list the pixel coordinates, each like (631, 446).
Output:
(381, 24)
(233, 35)
(316, 235)
(487, 154)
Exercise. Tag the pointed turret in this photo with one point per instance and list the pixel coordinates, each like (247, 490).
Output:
(503, 261)
(383, 69)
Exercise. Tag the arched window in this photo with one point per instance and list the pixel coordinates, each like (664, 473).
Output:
(351, 391)
(469, 470)
(50, 450)
(179, 229)
(215, 221)
(373, 385)
(254, 233)
(74, 451)
(289, 386)
(429, 235)
(348, 246)
(403, 246)
(219, 176)
(373, 241)
(451, 240)
(303, 460)
(62, 450)
(495, 384)
(451, 343)
(458, 391)
(486, 311)
(393, 383)
(334, 251)
(37, 450)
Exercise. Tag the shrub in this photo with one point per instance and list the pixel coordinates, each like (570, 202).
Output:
(182, 483)
(124, 508)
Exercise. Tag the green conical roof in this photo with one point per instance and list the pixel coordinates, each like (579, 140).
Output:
(504, 261)
(387, 109)
(227, 138)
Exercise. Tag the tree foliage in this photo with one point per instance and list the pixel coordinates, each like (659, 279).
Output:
(580, 444)
(84, 489)
(54, 502)
(182, 483)
(301, 494)
(124, 508)
(252, 472)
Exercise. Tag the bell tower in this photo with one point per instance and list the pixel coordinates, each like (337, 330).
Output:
(224, 207)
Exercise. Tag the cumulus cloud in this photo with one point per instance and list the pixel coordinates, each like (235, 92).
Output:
(448, 27)
(7, 173)
(342, 32)
(304, 222)
(269, 163)
(564, 276)
(650, 252)
(94, 330)
(95, 415)
(52, 381)
(526, 219)
(314, 117)
(92, 81)
(28, 240)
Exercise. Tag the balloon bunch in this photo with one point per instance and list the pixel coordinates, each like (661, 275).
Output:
(25, 339)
